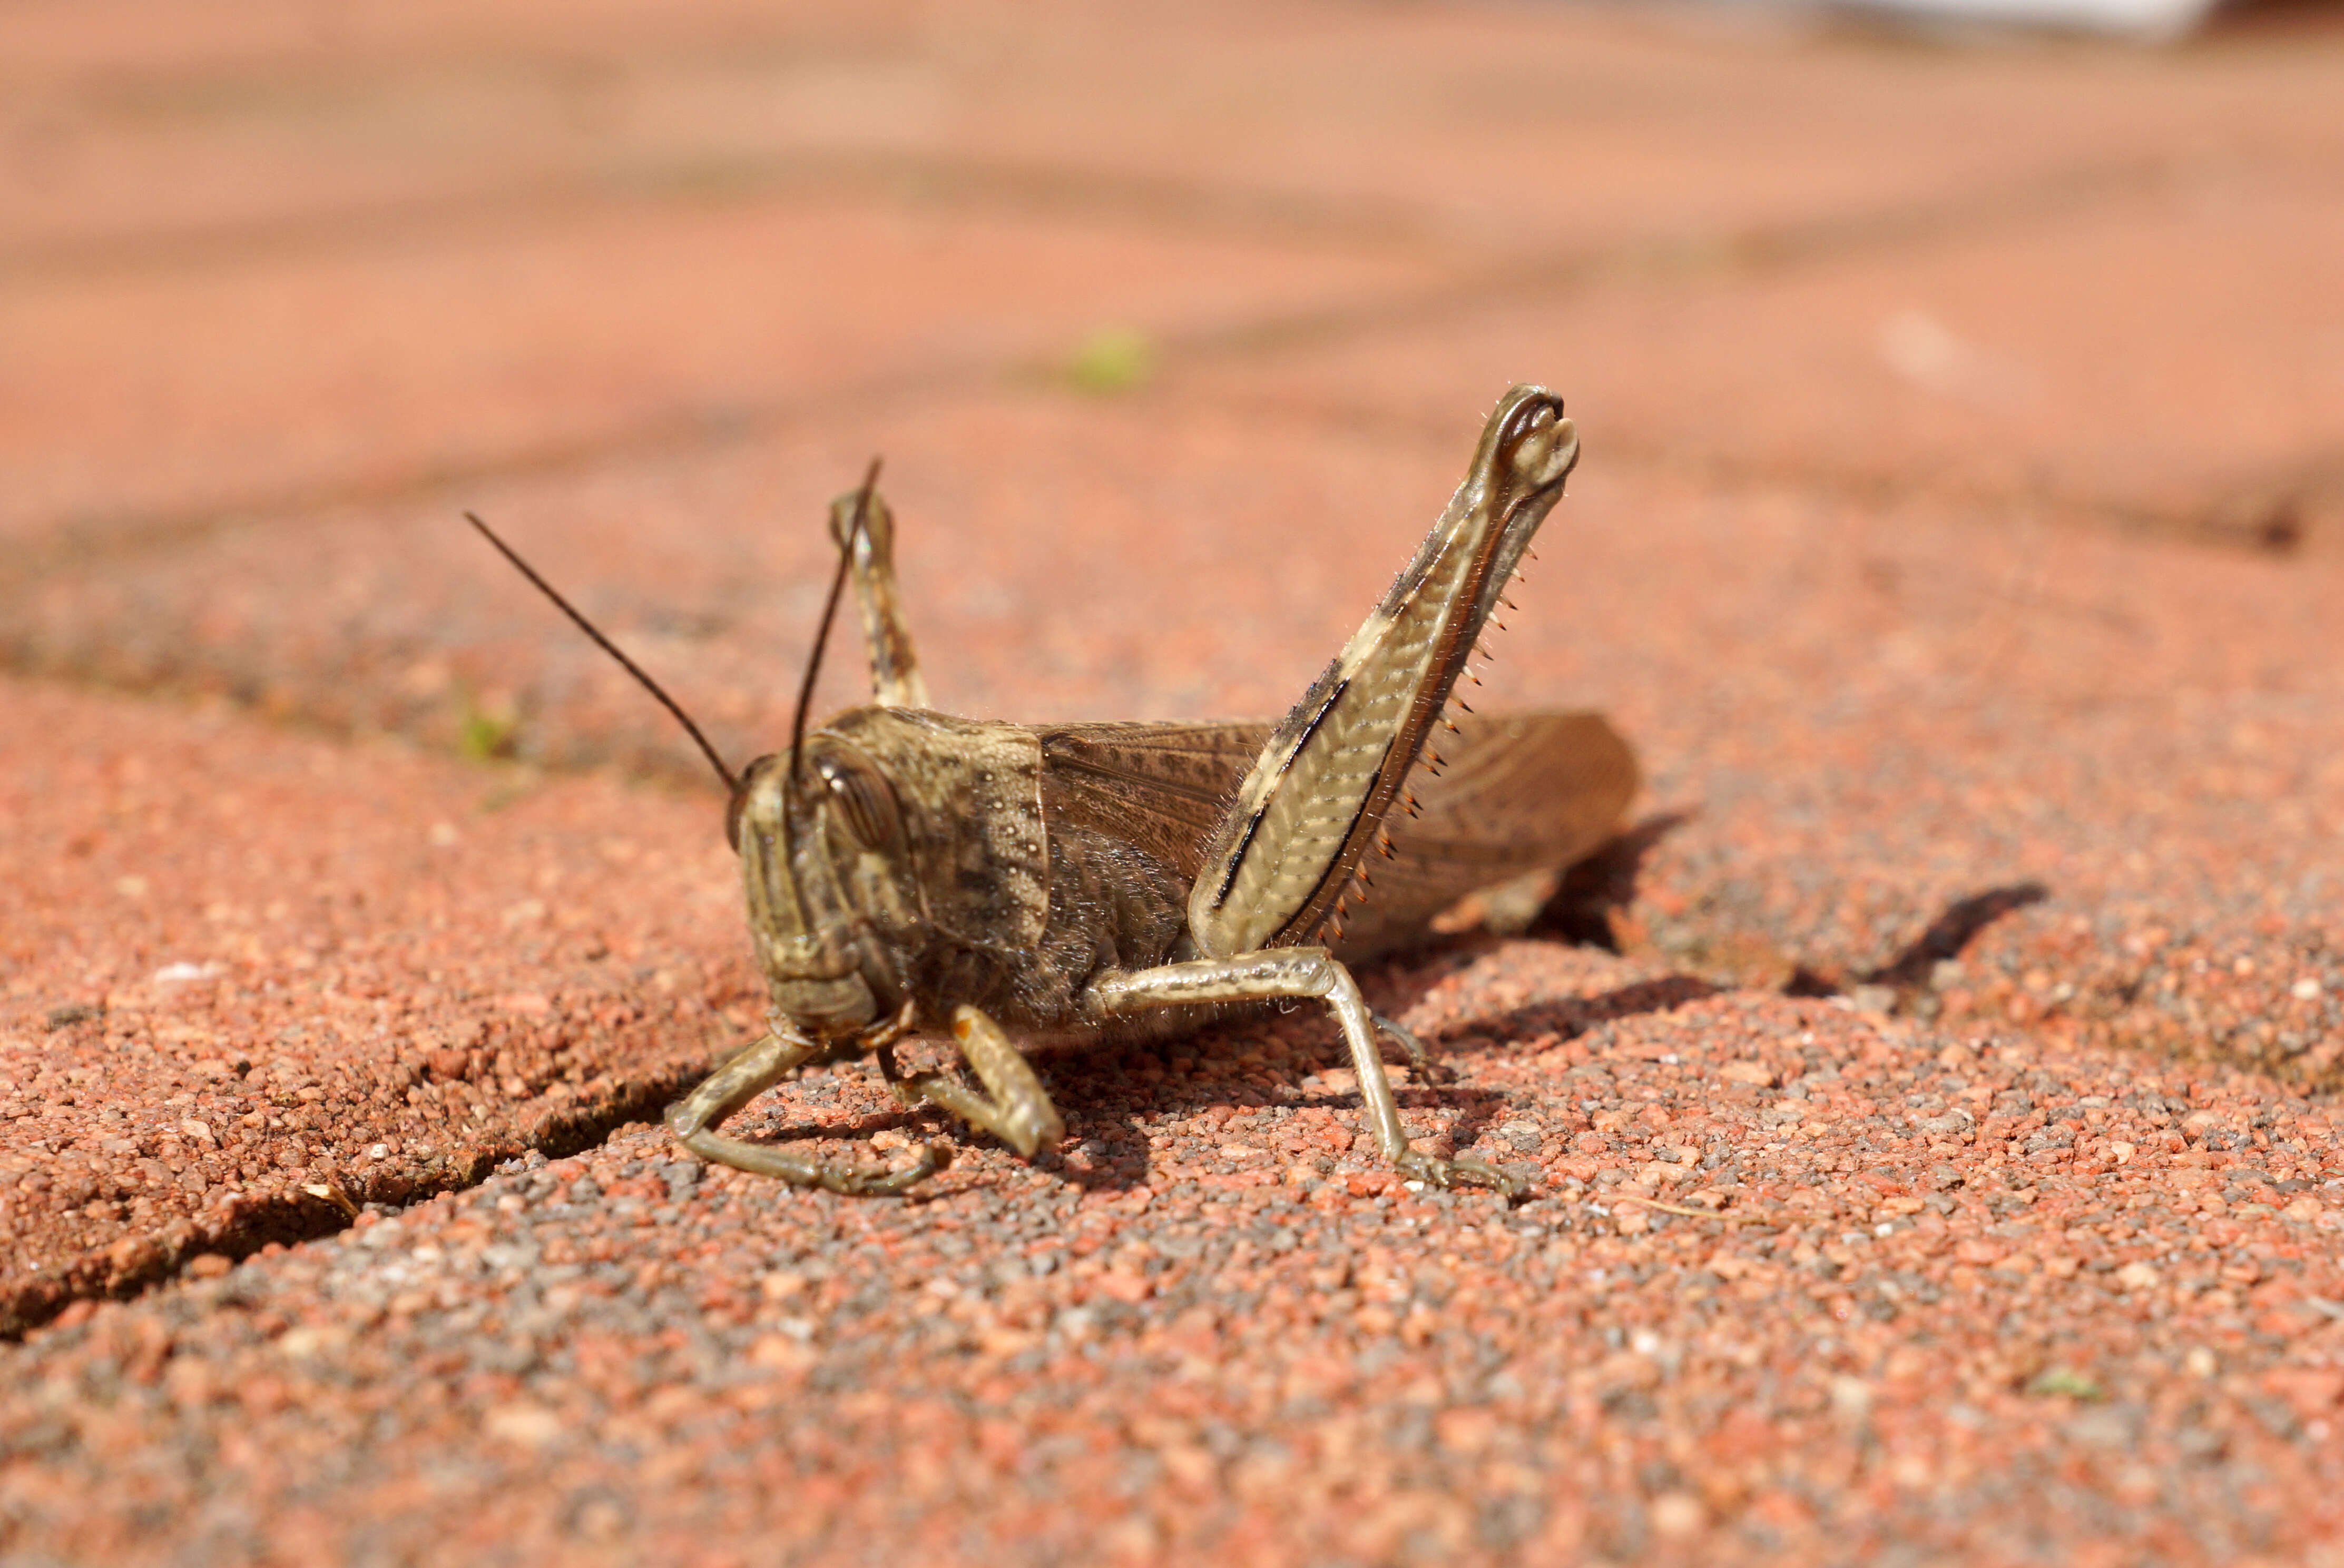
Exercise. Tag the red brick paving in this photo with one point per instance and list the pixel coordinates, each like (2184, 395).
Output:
(144, 395)
(2009, 360)
(1957, 541)
(254, 980)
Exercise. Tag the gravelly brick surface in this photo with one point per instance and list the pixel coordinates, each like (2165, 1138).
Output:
(1927, 1104)
(1990, 1302)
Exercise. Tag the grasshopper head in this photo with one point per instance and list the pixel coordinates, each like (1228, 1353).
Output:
(908, 840)
(823, 863)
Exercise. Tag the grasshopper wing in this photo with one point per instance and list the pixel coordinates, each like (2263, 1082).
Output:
(1515, 792)
(1160, 787)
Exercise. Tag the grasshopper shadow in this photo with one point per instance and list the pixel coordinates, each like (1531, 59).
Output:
(1595, 887)
(1116, 1091)
(1567, 1018)
(1578, 913)
(1952, 933)
(1947, 937)
(1108, 1094)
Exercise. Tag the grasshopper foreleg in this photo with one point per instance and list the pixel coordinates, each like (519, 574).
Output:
(745, 1076)
(1302, 972)
(1019, 1114)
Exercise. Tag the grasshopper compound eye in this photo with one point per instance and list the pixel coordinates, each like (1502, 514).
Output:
(863, 793)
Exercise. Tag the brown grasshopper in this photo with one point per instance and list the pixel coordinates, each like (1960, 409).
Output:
(1078, 883)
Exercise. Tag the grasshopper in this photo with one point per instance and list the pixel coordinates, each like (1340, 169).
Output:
(1078, 883)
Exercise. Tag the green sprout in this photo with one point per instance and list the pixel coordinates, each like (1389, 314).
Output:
(1111, 360)
(486, 734)
(2067, 1380)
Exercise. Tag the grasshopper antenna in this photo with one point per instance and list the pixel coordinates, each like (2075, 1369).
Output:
(731, 785)
(829, 614)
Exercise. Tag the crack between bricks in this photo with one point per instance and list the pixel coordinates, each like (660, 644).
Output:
(312, 1211)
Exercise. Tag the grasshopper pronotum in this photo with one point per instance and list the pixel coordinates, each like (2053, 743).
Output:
(1084, 883)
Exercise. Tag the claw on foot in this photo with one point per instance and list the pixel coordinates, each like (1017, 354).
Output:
(1465, 1170)
(934, 1157)
(883, 1183)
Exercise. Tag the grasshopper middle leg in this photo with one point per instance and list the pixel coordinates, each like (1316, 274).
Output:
(1301, 972)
